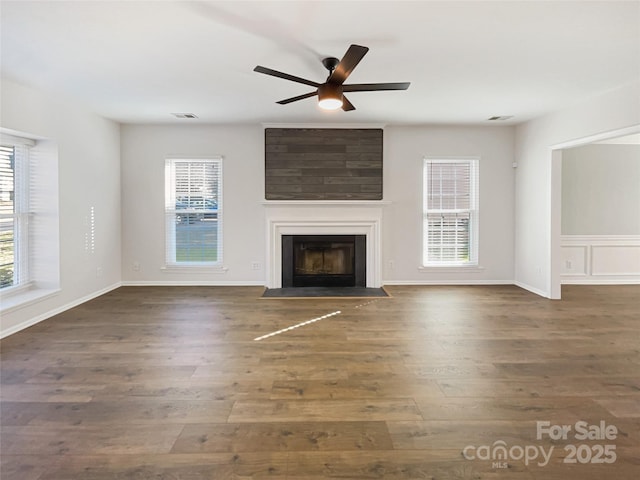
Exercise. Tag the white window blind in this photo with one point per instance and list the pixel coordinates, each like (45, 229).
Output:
(450, 212)
(193, 207)
(14, 212)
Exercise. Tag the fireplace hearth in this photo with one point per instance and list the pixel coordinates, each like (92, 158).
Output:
(323, 261)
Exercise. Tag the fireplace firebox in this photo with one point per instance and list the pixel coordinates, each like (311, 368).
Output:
(324, 260)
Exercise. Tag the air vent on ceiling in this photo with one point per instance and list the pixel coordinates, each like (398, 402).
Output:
(500, 118)
(184, 115)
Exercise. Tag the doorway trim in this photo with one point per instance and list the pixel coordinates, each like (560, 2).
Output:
(556, 198)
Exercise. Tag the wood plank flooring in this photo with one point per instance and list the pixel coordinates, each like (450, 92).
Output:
(171, 383)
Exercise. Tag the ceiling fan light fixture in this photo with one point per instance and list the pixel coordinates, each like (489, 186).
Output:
(330, 103)
(330, 96)
(330, 92)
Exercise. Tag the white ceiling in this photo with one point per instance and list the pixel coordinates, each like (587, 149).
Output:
(137, 62)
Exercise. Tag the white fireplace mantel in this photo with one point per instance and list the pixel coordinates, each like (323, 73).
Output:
(328, 217)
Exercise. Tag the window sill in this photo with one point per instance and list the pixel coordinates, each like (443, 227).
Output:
(217, 269)
(24, 297)
(451, 269)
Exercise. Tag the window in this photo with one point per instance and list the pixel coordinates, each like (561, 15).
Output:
(193, 207)
(14, 212)
(29, 219)
(450, 212)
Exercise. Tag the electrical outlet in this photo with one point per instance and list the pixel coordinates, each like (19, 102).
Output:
(135, 266)
(255, 265)
(98, 272)
(392, 265)
(567, 264)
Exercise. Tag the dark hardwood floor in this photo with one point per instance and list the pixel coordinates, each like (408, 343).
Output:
(432, 383)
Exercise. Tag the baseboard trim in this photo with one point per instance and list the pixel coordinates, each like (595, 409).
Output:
(447, 282)
(44, 316)
(191, 283)
(599, 281)
(531, 289)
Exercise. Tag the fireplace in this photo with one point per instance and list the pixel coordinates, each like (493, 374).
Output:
(324, 260)
(325, 217)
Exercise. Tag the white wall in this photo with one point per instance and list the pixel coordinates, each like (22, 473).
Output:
(144, 150)
(145, 147)
(88, 149)
(601, 190)
(405, 149)
(537, 232)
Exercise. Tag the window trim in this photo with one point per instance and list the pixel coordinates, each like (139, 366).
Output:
(474, 215)
(43, 226)
(170, 264)
(21, 215)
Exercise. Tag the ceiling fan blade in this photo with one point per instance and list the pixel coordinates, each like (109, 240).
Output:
(372, 87)
(347, 105)
(347, 64)
(299, 97)
(286, 76)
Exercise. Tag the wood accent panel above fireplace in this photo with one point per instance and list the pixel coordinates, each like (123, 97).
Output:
(323, 164)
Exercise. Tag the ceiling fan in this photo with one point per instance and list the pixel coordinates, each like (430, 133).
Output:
(331, 92)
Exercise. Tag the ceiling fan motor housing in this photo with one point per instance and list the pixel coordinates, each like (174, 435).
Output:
(330, 90)
(330, 96)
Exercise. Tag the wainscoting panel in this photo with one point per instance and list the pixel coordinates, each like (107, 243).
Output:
(575, 260)
(600, 259)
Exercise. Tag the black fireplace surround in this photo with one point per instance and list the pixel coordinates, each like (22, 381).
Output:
(324, 261)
